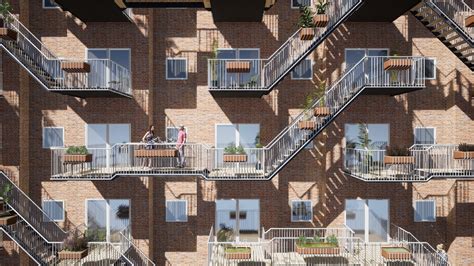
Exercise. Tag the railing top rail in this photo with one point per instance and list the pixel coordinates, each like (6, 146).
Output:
(446, 16)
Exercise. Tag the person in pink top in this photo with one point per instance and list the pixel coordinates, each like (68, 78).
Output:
(182, 138)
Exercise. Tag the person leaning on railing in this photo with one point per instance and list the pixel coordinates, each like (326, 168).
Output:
(150, 142)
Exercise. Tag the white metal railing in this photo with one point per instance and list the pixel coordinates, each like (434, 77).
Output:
(456, 12)
(259, 163)
(428, 161)
(45, 66)
(133, 253)
(265, 73)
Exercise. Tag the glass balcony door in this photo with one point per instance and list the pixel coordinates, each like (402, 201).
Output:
(106, 219)
(245, 135)
(239, 79)
(103, 74)
(100, 138)
(237, 220)
(369, 219)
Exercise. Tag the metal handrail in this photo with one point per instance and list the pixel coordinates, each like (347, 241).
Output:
(458, 7)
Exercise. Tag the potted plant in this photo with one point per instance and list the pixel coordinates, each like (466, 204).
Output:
(75, 247)
(5, 18)
(321, 19)
(306, 23)
(77, 154)
(321, 110)
(233, 154)
(7, 217)
(397, 63)
(396, 253)
(466, 151)
(398, 155)
(307, 122)
(318, 246)
(238, 253)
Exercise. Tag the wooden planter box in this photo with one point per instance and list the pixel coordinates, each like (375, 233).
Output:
(75, 67)
(318, 250)
(398, 159)
(77, 158)
(396, 253)
(470, 21)
(237, 66)
(235, 158)
(306, 34)
(155, 153)
(463, 155)
(73, 255)
(8, 34)
(8, 220)
(307, 125)
(397, 64)
(321, 20)
(322, 111)
(239, 255)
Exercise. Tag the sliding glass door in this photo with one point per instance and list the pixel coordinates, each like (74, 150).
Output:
(106, 219)
(237, 220)
(369, 219)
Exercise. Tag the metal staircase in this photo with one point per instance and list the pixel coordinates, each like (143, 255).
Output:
(266, 73)
(260, 163)
(42, 239)
(446, 19)
(104, 78)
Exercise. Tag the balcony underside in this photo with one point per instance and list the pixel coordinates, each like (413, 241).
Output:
(92, 93)
(94, 10)
(382, 11)
(235, 93)
(391, 91)
(237, 10)
(420, 175)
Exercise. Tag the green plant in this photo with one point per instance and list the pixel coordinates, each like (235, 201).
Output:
(240, 150)
(259, 145)
(306, 17)
(321, 7)
(302, 240)
(317, 239)
(75, 242)
(5, 9)
(332, 239)
(77, 150)
(224, 234)
(397, 151)
(363, 137)
(5, 195)
(232, 149)
(466, 147)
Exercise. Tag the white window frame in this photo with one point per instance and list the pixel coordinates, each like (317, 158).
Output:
(43, 142)
(86, 56)
(435, 72)
(185, 207)
(49, 7)
(107, 216)
(366, 215)
(297, 7)
(311, 68)
(301, 221)
(434, 133)
(366, 53)
(176, 58)
(237, 132)
(424, 220)
(107, 143)
(64, 210)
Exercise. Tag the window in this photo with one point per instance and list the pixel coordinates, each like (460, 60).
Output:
(425, 211)
(49, 4)
(53, 210)
(106, 219)
(53, 137)
(176, 211)
(301, 211)
(245, 226)
(172, 134)
(300, 3)
(103, 135)
(246, 135)
(369, 219)
(367, 136)
(176, 68)
(304, 70)
(354, 55)
(425, 135)
(430, 68)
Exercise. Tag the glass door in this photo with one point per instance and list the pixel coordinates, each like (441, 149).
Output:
(106, 219)
(369, 219)
(99, 73)
(237, 220)
(251, 79)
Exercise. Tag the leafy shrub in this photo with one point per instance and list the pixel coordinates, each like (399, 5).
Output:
(77, 150)
(397, 151)
(75, 242)
(306, 17)
(466, 147)
(321, 7)
(332, 239)
(232, 149)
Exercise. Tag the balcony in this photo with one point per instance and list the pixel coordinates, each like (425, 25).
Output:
(75, 77)
(97, 11)
(425, 162)
(385, 75)
(280, 246)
